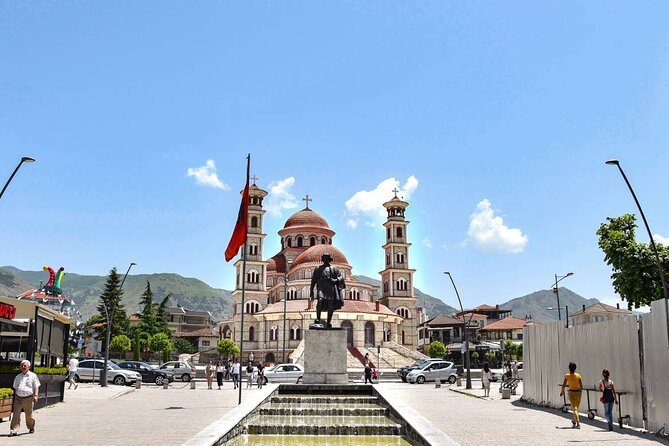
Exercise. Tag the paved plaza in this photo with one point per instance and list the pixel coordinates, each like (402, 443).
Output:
(153, 415)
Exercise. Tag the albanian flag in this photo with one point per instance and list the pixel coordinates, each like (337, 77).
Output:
(238, 238)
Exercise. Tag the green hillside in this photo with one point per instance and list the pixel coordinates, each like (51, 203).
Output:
(536, 304)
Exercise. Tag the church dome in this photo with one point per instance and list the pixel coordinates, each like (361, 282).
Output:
(315, 253)
(277, 264)
(306, 217)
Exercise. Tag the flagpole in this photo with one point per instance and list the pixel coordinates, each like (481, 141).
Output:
(241, 333)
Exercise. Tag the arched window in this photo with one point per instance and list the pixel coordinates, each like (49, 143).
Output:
(225, 332)
(269, 358)
(289, 242)
(369, 334)
(388, 233)
(251, 307)
(252, 276)
(385, 286)
(274, 333)
(387, 259)
(253, 249)
(323, 241)
(399, 257)
(403, 312)
(292, 293)
(299, 241)
(386, 335)
(312, 241)
(401, 284)
(403, 338)
(295, 333)
(254, 222)
(348, 326)
(354, 294)
(398, 231)
(252, 332)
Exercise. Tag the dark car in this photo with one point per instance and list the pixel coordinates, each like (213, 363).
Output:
(404, 371)
(149, 374)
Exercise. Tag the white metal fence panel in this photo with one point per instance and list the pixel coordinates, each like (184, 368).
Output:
(656, 365)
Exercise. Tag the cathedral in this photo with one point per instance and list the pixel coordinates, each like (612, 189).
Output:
(280, 285)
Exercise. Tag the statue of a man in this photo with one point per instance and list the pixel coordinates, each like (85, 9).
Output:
(329, 284)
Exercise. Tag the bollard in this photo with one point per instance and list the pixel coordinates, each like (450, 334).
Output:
(437, 385)
(166, 384)
(458, 381)
(138, 384)
(192, 384)
(506, 394)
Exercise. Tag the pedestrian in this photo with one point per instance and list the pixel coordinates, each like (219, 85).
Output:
(261, 375)
(249, 375)
(235, 372)
(26, 391)
(575, 384)
(72, 372)
(368, 372)
(220, 371)
(609, 396)
(227, 370)
(486, 378)
(514, 370)
(251, 357)
(209, 373)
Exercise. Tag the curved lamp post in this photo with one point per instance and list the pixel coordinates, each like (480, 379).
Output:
(466, 338)
(25, 159)
(103, 372)
(557, 291)
(665, 291)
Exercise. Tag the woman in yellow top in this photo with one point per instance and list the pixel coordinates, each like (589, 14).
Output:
(573, 381)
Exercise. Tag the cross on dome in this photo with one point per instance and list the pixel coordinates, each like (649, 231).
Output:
(254, 178)
(307, 199)
(395, 191)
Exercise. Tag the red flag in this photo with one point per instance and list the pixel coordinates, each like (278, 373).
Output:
(238, 238)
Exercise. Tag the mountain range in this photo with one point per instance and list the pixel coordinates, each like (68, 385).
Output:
(194, 294)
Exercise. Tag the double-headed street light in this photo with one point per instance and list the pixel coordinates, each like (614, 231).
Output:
(665, 291)
(25, 159)
(103, 372)
(465, 335)
(557, 291)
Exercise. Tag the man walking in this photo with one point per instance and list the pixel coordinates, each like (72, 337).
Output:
(72, 372)
(26, 390)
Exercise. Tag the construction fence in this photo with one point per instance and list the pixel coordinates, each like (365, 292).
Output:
(635, 350)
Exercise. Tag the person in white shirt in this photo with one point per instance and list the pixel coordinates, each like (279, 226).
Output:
(486, 377)
(235, 373)
(72, 372)
(26, 390)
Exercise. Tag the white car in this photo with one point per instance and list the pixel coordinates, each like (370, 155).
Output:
(284, 373)
(439, 371)
(89, 370)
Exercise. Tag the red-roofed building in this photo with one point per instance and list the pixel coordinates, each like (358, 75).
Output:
(442, 328)
(597, 312)
(508, 328)
(285, 277)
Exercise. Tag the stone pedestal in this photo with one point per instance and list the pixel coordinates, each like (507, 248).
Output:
(325, 357)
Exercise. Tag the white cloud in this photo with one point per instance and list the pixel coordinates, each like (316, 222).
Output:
(660, 239)
(352, 223)
(427, 242)
(279, 197)
(206, 176)
(369, 204)
(488, 231)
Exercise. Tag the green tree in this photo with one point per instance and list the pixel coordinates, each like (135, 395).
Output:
(436, 349)
(120, 344)
(161, 343)
(490, 357)
(636, 277)
(162, 316)
(111, 297)
(227, 347)
(475, 357)
(136, 348)
(182, 345)
(519, 351)
(148, 312)
(509, 349)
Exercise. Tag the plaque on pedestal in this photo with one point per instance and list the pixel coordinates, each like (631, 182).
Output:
(325, 357)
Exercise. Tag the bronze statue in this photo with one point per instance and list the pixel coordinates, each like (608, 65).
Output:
(329, 283)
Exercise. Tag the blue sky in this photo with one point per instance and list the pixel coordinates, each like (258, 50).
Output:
(493, 118)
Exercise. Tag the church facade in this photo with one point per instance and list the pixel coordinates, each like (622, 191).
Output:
(280, 284)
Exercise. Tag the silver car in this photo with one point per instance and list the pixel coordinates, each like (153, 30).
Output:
(440, 371)
(181, 370)
(284, 373)
(89, 370)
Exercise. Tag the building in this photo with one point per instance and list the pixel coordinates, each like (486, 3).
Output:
(598, 312)
(280, 284)
(183, 320)
(492, 314)
(442, 328)
(510, 328)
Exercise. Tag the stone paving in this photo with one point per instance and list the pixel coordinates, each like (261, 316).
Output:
(152, 415)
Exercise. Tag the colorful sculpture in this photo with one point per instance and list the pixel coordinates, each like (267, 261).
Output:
(53, 285)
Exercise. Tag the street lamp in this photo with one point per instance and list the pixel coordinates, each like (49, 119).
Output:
(466, 338)
(557, 292)
(285, 300)
(566, 312)
(103, 372)
(25, 159)
(665, 291)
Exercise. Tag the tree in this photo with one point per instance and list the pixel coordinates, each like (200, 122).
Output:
(111, 296)
(182, 345)
(120, 344)
(227, 347)
(519, 351)
(436, 349)
(509, 349)
(475, 356)
(136, 348)
(636, 277)
(490, 357)
(161, 343)
(148, 314)
(162, 316)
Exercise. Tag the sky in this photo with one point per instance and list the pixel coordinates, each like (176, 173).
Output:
(493, 119)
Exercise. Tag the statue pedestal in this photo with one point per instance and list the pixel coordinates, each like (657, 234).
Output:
(325, 357)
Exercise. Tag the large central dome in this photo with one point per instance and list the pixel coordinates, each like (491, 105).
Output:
(313, 255)
(306, 217)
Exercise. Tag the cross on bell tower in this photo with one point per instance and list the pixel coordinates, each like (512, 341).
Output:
(307, 199)
(395, 191)
(254, 178)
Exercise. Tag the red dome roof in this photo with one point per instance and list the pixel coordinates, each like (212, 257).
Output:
(277, 263)
(315, 253)
(306, 217)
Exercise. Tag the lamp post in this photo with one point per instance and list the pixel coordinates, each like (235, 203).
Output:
(285, 300)
(566, 313)
(25, 159)
(665, 291)
(103, 372)
(466, 338)
(557, 291)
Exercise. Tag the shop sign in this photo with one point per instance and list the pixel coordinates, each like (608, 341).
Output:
(7, 311)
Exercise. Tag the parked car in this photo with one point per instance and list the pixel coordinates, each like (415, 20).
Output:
(149, 374)
(498, 374)
(89, 370)
(180, 369)
(402, 372)
(284, 373)
(440, 371)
